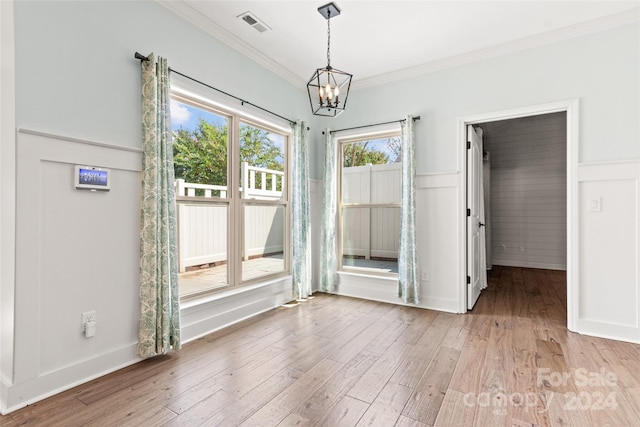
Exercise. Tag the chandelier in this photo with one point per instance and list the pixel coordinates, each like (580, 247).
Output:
(328, 88)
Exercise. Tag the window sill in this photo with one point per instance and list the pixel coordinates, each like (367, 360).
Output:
(202, 316)
(391, 279)
(229, 293)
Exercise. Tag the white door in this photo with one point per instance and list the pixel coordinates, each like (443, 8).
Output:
(476, 263)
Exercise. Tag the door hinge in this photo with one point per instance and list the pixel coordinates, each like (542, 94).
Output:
(468, 212)
(468, 145)
(468, 280)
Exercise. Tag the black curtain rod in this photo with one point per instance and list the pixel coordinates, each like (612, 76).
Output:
(371, 125)
(242, 101)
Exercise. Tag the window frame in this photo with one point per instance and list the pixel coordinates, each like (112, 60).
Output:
(387, 132)
(233, 200)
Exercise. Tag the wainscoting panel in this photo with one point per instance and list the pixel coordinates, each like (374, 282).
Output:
(609, 256)
(438, 215)
(76, 251)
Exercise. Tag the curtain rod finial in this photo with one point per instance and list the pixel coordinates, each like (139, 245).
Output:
(141, 57)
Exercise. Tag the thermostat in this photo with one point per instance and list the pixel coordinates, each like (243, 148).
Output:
(91, 178)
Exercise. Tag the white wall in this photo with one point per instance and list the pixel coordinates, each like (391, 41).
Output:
(77, 75)
(78, 87)
(602, 70)
(7, 197)
(608, 303)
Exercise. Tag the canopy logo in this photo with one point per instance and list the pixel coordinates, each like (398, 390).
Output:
(543, 399)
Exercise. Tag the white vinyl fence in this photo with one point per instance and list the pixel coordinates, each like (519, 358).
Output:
(371, 232)
(202, 226)
(368, 232)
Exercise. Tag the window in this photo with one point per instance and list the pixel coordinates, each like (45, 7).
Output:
(370, 182)
(232, 197)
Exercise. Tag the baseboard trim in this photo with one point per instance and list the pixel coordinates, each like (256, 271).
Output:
(27, 393)
(385, 289)
(197, 320)
(608, 330)
(525, 264)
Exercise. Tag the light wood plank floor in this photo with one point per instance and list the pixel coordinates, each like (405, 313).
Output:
(338, 361)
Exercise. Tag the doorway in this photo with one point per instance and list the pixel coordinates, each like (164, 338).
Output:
(522, 247)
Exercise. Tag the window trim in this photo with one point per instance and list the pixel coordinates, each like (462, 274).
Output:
(234, 202)
(380, 133)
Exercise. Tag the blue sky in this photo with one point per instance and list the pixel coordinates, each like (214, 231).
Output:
(184, 116)
(187, 117)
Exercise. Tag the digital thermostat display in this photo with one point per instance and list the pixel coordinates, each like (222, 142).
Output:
(91, 178)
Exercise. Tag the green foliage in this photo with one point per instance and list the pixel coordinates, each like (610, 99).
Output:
(200, 156)
(359, 154)
(258, 150)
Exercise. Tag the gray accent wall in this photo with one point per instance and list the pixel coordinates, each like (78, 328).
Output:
(528, 191)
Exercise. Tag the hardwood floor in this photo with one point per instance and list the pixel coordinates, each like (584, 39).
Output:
(339, 361)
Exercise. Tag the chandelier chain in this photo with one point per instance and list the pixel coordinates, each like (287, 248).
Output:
(329, 40)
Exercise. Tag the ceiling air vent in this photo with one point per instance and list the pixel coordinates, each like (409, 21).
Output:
(253, 20)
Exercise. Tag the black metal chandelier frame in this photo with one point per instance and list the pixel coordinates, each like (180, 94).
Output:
(328, 88)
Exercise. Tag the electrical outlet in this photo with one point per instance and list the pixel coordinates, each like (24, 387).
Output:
(503, 247)
(89, 316)
(89, 323)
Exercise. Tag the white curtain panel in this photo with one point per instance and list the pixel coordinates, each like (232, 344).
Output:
(300, 216)
(408, 283)
(328, 255)
(159, 299)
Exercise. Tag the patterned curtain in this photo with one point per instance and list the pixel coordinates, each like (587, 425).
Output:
(159, 300)
(301, 224)
(408, 283)
(328, 251)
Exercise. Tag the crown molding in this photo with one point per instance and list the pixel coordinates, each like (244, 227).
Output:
(583, 28)
(185, 11)
(200, 21)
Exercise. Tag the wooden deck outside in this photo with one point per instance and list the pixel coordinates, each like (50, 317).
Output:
(212, 278)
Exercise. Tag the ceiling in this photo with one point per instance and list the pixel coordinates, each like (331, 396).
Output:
(379, 41)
